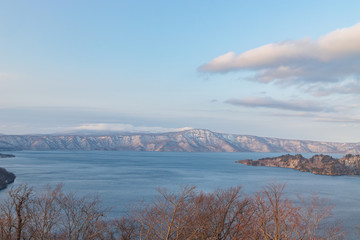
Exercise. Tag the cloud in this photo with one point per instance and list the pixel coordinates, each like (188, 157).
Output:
(331, 58)
(351, 86)
(119, 127)
(337, 119)
(268, 102)
(324, 117)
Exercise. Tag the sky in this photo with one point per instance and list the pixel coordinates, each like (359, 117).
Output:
(285, 69)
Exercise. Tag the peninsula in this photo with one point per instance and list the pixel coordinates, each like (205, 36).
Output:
(318, 164)
(5, 176)
(6, 155)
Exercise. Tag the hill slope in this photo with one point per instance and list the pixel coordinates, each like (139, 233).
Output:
(194, 140)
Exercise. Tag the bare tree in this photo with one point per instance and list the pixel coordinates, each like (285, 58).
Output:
(80, 217)
(14, 213)
(45, 214)
(189, 214)
(316, 222)
(50, 215)
(125, 228)
(195, 215)
(275, 217)
(167, 217)
(220, 215)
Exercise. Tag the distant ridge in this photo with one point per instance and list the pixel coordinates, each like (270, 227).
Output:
(193, 140)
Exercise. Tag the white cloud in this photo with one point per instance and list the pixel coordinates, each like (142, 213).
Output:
(119, 127)
(269, 55)
(331, 58)
(340, 43)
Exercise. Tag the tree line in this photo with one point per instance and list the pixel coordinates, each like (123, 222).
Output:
(224, 214)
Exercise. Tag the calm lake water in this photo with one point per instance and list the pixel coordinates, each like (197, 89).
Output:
(123, 178)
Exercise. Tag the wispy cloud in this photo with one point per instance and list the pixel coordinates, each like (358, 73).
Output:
(333, 57)
(324, 117)
(268, 102)
(351, 86)
(336, 119)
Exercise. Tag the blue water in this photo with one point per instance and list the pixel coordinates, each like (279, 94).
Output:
(124, 178)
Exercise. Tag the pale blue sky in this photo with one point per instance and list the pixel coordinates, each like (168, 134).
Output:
(151, 65)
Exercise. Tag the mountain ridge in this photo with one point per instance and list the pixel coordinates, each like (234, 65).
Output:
(193, 140)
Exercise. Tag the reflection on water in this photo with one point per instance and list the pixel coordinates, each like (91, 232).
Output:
(123, 178)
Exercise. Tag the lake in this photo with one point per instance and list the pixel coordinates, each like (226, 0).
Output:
(123, 178)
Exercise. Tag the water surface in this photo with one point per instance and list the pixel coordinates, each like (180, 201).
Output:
(124, 178)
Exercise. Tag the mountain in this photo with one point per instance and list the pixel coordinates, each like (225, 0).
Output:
(318, 164)
(194, 140)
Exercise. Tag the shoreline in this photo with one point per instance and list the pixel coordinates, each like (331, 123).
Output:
(6, 177)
